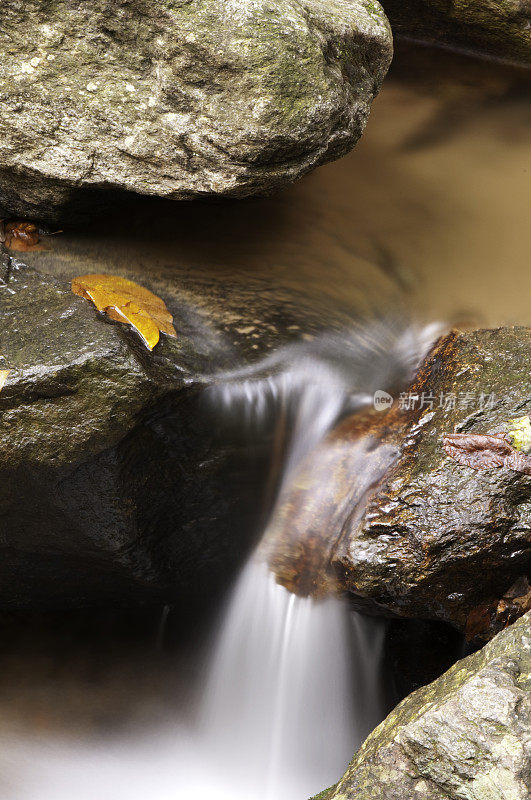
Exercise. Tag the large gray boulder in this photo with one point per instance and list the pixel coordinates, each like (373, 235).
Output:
(497, 28)
(179, 99)
(467, 736)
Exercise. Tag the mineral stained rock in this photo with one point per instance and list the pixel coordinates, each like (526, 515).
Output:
(498, 28)
(467, 736)
(179, 99)
(438, 539)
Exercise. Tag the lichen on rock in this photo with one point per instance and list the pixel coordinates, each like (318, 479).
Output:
(466, 736)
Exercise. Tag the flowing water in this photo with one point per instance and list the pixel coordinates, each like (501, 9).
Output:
(429, 214)
(279, 716)
(291, 686)
(291, 691)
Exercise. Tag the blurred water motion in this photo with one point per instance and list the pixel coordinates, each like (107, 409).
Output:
(290, 693)
(286, 701)
(305, 389)
(287, 694)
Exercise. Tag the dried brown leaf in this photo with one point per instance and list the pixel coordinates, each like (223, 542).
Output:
(21, 236)
(125, 301)
(482, 451)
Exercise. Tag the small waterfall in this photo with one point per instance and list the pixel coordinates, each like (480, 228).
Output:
(288, 698)
(291, 691)
(292, 684)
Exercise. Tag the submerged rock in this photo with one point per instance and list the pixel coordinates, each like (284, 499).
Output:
(179, 99)
(501, 29)
(437, 538)
(467, 736)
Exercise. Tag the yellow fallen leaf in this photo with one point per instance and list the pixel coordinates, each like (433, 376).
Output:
(142, 321)
(125, 301)
(3, 377)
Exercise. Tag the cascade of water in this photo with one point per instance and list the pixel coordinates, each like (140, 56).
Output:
(290, 694)
(292, 686)
(307, 386)
(286, 702)
(286, 699)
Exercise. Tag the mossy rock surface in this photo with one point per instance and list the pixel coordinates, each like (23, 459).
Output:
(179, 99)
(466, 736)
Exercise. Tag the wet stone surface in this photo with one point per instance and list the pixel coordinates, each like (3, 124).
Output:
(439, 538)
(118, 484)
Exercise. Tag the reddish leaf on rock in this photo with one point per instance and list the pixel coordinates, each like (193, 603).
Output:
(482, 451)
(20, 236)
(125, 301)
(477, 450)
(519, 462)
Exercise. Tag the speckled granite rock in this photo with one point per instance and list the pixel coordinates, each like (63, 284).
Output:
(179, 99)
(499, 28)
(467, 736)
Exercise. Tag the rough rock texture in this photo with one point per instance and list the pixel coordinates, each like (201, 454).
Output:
(498, 28)
(436, 539)
(467, 736)
(381, 511)
(116, 483)
(179, 98)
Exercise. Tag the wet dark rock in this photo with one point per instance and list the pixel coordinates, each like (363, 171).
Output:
(467, 736)
(179, 99)
(500, 29)
(438, 539)
(116, 483)
(491, 617)
(382, 511)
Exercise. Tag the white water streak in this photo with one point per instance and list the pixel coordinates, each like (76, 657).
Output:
(286, 702)
(285, 690)
(293, 684)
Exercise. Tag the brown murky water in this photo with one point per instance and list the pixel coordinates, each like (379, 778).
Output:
(430, 209)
